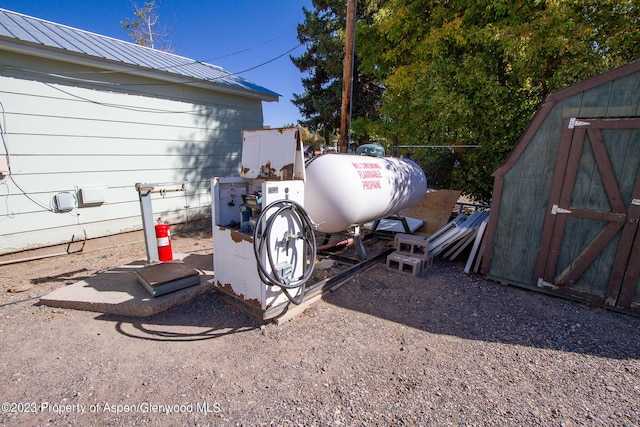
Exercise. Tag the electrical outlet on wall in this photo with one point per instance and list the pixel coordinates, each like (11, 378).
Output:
(91, 195)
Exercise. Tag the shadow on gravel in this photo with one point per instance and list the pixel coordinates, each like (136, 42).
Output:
(448, 301)
(203, 319)
(63, 277)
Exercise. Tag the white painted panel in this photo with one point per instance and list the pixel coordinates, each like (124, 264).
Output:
(216, 143)
(62, 138)
(62, 164)
(193, 179)
(88, 128)
(56, 115)
(116, 106)
(18, 206)
(13, 202)
(80, 123)
(59, 226)
(52, 236)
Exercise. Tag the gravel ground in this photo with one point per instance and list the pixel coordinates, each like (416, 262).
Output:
(386, 348)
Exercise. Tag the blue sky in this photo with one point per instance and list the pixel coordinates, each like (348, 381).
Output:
(234, 34)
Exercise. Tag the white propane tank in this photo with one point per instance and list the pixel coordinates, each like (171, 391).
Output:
(343, 189)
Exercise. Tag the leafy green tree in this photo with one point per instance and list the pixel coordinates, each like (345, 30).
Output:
(465, 72)
(323, 33)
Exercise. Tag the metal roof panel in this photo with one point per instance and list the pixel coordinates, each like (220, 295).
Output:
(27, 29)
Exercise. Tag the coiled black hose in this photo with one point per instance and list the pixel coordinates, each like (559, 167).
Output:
(262, 239)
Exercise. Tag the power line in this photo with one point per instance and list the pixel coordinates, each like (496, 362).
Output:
(247, 49)
(269, 61)
(214, 79)
(151, 110)
(192, 61)
(185, 81)
(3, 130)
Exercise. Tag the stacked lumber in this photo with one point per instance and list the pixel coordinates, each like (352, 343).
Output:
(465, 231)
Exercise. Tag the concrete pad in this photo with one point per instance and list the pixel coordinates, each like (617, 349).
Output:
(117, 291)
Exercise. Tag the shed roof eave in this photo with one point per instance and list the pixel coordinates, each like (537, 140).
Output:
(45, 52)
(526, 136)
(555, 96)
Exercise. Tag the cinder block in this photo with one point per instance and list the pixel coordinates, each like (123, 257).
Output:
(413, 246)
(404, 264)
(427, 263)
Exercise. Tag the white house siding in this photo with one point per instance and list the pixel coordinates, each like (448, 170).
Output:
(88, 129)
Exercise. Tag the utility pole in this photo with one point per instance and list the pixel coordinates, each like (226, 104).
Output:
(347, 76)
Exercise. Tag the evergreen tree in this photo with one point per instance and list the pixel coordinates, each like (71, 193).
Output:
(323, 32)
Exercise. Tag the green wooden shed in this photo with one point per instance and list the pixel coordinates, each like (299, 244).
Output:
(566, 203)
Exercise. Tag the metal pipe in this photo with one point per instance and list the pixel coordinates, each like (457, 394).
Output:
(438, 146)
(346, 242)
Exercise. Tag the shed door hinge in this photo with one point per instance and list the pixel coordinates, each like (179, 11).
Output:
(545, 285)
(555, 210)
(573, 123)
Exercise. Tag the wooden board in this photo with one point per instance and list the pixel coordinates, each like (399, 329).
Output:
(435, 210)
